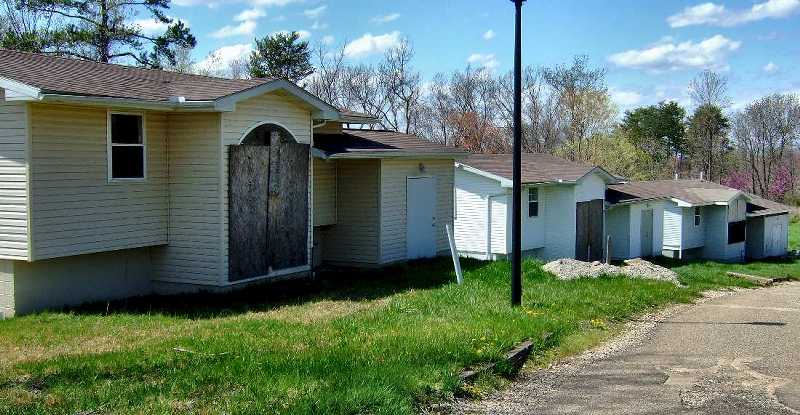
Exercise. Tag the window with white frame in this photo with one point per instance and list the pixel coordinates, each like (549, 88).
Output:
(533, 202)
(126, 146)
(697, 216)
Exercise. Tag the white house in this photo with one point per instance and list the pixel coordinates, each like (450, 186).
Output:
(562, 207)
(689, 219)
(118, 181)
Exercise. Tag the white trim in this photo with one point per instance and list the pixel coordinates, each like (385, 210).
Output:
(262, 123)
(325, 111)
(392, 155)
(139, 104)
(110, 145)
(503, 181)
(20, 88)
(611, 179)
(224, 225)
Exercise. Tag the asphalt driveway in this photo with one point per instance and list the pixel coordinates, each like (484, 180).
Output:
(737, 353)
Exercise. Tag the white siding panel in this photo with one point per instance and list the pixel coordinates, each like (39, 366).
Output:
(560, 219)
(673, 225)
(69, 186)
(324, 192)
(532, 227)
(355, 237)
(472, 192)
(591, 187)
(394, 175)
(695, 236)
(13, 180)
(193, 254)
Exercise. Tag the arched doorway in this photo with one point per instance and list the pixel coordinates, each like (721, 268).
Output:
(268, 203)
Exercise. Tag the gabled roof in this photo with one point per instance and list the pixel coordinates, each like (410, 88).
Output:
(52, 78)
(689, 192)
(536, 168)
(351, 143)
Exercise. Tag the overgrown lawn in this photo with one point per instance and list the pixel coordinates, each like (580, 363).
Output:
(385, 342)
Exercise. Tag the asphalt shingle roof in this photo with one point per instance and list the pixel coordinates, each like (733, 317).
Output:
(378, 142)
(696, 192)
(536, 168)
(57, 75)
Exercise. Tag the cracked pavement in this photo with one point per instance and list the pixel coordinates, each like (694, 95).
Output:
(736, 353)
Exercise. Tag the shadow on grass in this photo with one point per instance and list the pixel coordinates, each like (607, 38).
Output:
(332, 284)
(675, 263)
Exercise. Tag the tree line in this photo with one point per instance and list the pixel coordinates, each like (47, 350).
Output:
(567, 109)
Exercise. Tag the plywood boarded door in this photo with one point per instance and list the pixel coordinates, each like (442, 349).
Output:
(268, 209)
(589, 230)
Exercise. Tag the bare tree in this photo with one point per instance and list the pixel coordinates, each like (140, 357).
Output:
(578, 89)
(709, 88)
(402, 85)
(326, 82)
(765, 132)
(437, 112)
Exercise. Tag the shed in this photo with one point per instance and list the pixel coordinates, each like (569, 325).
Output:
(767, 228)
(701, 219)
(562, 207)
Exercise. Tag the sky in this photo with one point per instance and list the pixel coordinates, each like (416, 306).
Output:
(651, 49)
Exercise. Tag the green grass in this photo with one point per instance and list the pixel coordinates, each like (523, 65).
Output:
(382, 343)
(794, 233)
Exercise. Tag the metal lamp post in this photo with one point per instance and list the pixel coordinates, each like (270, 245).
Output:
(516, 221)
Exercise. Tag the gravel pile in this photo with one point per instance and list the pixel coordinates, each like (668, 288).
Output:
(569, 269)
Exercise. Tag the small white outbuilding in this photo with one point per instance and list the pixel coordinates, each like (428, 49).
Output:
(562, 207)
(693, 219)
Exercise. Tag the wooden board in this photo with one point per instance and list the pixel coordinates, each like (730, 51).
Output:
(288, 206)
(589, 230)
(268, 215)
(247, 215)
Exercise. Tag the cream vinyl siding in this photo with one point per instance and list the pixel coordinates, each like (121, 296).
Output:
(74, 208)
(560, 219)
(324, 192)
(275, 107)
(193, 252)
(355, 237)
(394, 176)
(13, 180)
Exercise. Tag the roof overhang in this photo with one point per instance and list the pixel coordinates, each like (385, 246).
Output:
(18, 91)
(505, 182)
(322, 110)
(388, 155)
(607, 177)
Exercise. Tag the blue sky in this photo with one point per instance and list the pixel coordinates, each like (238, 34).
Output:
(651, 49)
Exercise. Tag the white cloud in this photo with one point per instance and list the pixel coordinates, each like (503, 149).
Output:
(717, 15)
(315, 13)
(369, 44)
(220, 59)
(250, 14)
(666, 55)
(489, 34)
(386, 18)
(302, 34)
(319, 26)
(328, 40)
(245, 28)
(625, 98)
(486, 61)
(274, 3)
(770, 68)
(155, 27)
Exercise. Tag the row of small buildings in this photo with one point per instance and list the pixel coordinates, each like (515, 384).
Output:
(119, 181)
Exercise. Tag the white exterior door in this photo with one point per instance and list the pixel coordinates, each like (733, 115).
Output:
(421, 214)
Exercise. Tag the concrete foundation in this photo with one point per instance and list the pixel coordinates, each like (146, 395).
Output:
(28, 287)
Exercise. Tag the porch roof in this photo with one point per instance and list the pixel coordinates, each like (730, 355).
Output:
(362, 144)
